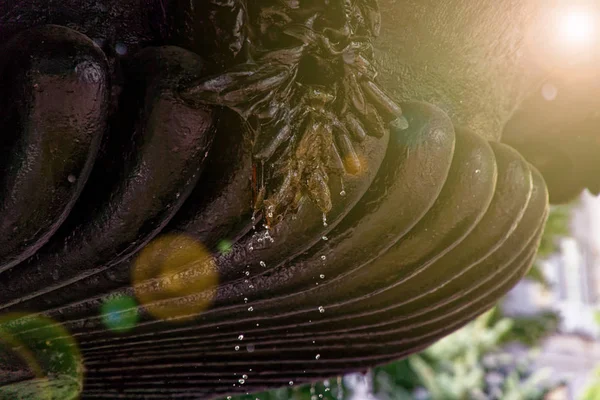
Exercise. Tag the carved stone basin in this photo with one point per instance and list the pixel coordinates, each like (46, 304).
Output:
(275, 198)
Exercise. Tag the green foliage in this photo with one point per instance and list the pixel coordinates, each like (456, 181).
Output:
(593, 391)
(468, 365)
(528, 330)
(531, 330)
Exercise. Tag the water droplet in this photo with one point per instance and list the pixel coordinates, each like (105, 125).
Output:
(245, 299)
(321, 309)
(477, 171)
(247, 273)
(322, 276)
(291, 383)
(343, 193)
(241, 381)
(237, 348)
(323, 258)
(241, 337)
(245, 376)
(317, 356)
(228, 397)
(325, 238)
(324, 219)
(263, 264)
(72, 178)
(250, 308)
(250, 248)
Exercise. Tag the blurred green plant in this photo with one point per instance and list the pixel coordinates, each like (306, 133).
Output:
(593, 390)
(469, 364)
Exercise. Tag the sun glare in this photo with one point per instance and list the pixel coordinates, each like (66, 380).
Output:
(577, 27)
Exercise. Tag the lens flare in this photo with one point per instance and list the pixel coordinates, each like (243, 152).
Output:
(120, 314)
(577, 27)
(224, 246)
(563, 39)
(175, 277)
(50, 354)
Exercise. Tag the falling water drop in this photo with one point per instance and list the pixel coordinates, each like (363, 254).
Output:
(250, 308)
(317, 356)
(241, 381)
(245, 376)
(325, 238)
(324, 219)
(323, 258)
(263, 264)
(321, 309)
(322, 276)
(343, 191)
(241, 337)
(237, 348)
(291, 383)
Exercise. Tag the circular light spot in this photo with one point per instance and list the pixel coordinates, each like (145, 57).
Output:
(120, 314)
(549, 92)
(175, 277)
(50, 353)
(121, 49)
(224, 246)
